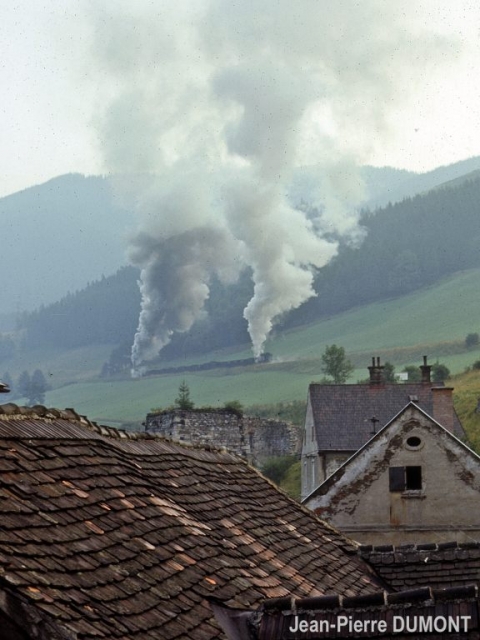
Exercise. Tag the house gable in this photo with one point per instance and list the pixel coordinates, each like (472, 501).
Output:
(346, 416)
(413, 480)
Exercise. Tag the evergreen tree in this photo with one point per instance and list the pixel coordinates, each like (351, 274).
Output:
(33, 387)
(38, 387)
(183, 400)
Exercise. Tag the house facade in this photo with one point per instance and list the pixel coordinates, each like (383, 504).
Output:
(340, 419)
(414, 481)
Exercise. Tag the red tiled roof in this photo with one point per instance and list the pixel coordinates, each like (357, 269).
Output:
(343, 413)
(127, 537)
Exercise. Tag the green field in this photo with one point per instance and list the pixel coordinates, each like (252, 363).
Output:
(432, 321)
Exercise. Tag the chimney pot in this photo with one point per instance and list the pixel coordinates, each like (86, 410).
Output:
(426, 370)
(376, 372)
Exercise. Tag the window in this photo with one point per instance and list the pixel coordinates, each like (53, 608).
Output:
(405, 479)
(414, 442)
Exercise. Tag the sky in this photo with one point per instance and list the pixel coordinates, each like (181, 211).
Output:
(54, 88)
(208, 110)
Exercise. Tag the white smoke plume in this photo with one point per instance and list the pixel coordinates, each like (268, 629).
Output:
(220, 102)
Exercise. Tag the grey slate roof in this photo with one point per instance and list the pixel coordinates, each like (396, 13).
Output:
(342, 413)
(398, 612)
(104, 534)
(442, 565)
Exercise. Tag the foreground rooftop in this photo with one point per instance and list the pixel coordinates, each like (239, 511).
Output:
(107, 534)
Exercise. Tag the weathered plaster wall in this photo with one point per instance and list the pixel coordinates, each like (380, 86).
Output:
(310, 462)
(251, 437)
(360, 503)
(317, 466)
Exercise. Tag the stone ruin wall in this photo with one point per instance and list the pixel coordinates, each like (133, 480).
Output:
(253, 438)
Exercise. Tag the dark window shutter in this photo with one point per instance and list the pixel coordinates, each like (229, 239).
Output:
(397, 478)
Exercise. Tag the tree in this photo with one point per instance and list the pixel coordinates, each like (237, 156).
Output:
(414, 374)
(336, 365)
(33, 387)
(440, 372)
(472, 340)
(389, 372)
(38, 387)
(183, 400)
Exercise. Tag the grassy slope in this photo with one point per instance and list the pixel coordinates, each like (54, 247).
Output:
(466, 397)
(433, 321)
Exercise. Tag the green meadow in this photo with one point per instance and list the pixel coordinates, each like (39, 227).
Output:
(432, 321)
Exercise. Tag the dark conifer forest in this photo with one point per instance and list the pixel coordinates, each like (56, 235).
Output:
(408, 245)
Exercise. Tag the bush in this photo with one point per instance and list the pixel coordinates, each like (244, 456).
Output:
(235, 407)
(276, 468)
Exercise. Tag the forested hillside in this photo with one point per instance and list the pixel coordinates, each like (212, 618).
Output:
(106, 311)
(407, 246)
(62, 234)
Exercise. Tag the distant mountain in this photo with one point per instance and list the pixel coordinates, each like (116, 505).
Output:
(386, 185)
(408, 245)
(71, 230)
(56, 237)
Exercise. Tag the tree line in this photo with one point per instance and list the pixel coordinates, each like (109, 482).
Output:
(30, 386)
(407, 246)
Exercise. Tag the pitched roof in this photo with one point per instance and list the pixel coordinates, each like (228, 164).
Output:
(110, 535)
(447, 564)
(443, 614)
(349, 469)
(342, 413)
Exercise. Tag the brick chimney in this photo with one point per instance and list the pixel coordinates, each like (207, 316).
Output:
(426, 370)
(443, 411)
(376, 373)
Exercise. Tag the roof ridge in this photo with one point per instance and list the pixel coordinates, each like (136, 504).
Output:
(41, 412)
(377, 598)
(365, 550)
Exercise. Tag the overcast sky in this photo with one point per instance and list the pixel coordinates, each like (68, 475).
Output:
(56, 80)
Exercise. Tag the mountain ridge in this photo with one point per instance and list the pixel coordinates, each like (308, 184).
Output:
(72, 229)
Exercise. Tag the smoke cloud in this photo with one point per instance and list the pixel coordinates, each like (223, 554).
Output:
(218, 104)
